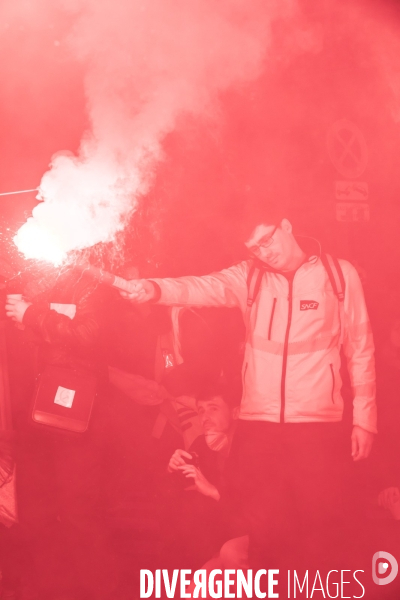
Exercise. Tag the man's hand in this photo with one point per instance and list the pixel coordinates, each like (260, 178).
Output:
(177, 460)
(361, 443)
(201, 484)
(142, 291)
(15, 308)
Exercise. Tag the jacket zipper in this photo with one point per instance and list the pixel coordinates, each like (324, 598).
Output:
(333, 382)
(271, 319)
(285, 352)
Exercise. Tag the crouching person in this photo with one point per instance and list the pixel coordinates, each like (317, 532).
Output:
(195, 528)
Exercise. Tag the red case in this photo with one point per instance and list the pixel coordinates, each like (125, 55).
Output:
(76, 389)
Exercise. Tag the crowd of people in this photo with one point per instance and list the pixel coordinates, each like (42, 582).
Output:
(222, 421)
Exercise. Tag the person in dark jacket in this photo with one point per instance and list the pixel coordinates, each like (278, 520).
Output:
(62, 499)
(195, 517)
(63, 320)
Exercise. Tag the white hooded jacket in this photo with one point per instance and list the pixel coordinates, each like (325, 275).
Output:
(291, 369)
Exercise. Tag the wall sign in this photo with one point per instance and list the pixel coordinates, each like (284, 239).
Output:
(347, 149)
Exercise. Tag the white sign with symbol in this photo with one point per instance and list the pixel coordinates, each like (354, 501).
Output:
(64, 397)
(352, 211)
(351, 191)
(347, 149)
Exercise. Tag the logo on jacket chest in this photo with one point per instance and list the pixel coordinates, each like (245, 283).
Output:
(308, 305)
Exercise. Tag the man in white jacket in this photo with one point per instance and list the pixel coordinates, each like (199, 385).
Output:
(289, 423)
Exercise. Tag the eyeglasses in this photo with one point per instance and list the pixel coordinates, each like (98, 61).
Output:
(266, 243)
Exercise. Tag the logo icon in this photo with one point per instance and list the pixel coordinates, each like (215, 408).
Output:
(347, 149)
(384, 568)
(308, 305)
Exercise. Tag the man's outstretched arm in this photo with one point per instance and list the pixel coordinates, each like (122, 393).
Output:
(226, 288)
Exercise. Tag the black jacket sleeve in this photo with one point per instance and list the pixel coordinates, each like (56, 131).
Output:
(54, 328)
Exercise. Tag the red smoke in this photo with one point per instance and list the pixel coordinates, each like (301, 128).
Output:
(146, 66)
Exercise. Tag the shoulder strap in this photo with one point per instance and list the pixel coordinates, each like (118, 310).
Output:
(339, 273)
(335, 275)
(330, 263)
(336, 278)
(254, 279)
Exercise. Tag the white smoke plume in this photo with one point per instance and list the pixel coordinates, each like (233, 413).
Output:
(146, 63)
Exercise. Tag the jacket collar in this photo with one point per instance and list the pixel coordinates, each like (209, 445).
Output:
(309, 245)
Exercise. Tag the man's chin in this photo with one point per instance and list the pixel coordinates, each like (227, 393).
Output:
(274, 263)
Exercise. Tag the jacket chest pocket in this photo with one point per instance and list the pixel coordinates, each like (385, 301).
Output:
(267, 318)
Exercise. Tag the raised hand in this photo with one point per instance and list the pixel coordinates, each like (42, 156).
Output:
(16, 307)
(201, 484)
(178, 460)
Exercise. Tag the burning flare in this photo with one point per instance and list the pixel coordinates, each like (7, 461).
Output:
(85, 202)
(37, 242)
(146, 64)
